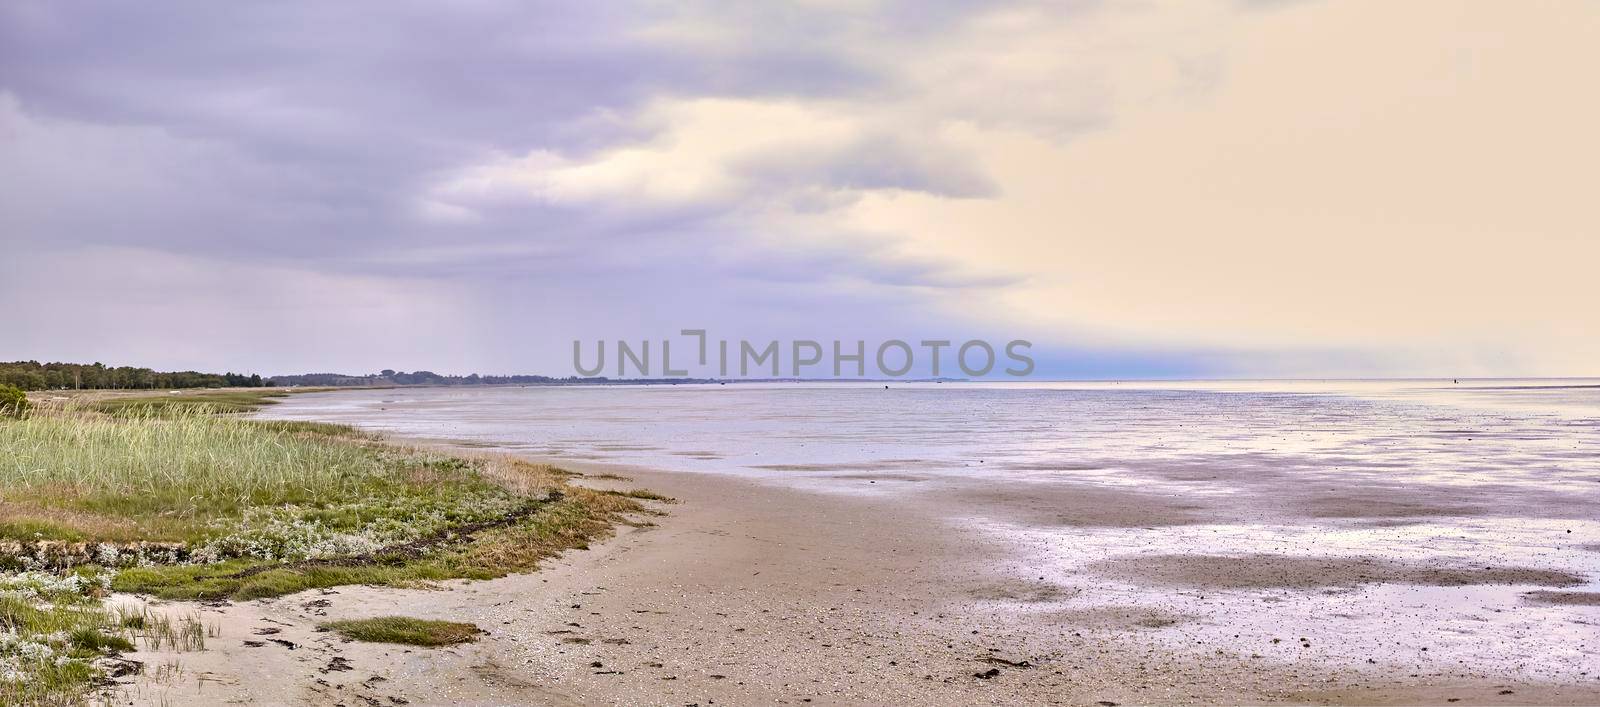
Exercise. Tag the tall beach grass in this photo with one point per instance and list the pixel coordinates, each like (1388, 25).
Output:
(189, 465)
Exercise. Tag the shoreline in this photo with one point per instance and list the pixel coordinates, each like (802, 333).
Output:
(786, 595)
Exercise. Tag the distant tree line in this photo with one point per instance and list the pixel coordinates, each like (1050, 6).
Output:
(32, 375)
(392, 377)
(388, 377)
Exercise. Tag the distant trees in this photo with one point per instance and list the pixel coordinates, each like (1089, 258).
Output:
(32, 375)
(23, 379)
(386, 377)
(389, 376)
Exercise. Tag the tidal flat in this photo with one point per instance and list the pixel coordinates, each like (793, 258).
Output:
(1411, 541)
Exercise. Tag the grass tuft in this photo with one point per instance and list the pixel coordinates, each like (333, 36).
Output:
(406, 631)
(91, 639)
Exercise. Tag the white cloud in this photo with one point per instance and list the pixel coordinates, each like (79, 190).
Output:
(734, 153)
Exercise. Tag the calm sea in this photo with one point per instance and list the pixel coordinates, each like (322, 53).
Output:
(1544, 432)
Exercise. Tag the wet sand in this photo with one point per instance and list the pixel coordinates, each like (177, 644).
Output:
(862, 588)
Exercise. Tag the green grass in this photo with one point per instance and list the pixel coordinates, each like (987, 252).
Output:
(190, 466)
(315, 428)
(405, 631)
(180, 502)
(37, 529)
(220, 401)
(93, 640)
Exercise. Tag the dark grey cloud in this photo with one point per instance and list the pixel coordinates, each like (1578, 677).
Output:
(287, 125)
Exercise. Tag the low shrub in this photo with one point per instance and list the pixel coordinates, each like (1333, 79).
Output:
(13, 402)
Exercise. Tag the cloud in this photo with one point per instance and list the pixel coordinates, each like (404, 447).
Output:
(1415, 205)
(720, 159)
(307, 128)
(1183, 188)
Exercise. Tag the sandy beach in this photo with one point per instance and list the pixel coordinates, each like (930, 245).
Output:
(749, 592)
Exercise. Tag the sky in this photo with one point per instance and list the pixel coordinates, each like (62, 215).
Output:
(1229, 188)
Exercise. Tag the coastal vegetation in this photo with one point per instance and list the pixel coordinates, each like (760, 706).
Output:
(178, 498)
(219, 401)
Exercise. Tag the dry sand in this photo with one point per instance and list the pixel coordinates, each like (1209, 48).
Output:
(758, 593)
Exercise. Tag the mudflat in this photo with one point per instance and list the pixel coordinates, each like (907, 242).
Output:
(870, 590)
